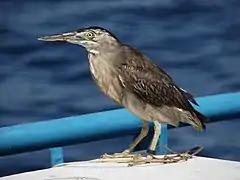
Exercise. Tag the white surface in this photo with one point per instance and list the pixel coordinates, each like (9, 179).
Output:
(198, 168)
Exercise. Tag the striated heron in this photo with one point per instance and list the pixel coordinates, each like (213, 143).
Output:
(128, 77)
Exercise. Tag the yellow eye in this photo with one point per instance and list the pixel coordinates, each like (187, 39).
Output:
(89, 35)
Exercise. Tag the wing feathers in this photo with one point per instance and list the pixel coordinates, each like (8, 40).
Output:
(153, 86)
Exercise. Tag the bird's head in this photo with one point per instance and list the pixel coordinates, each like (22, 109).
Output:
(92, 38)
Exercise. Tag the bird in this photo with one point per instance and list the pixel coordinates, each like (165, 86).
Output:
(131, 79)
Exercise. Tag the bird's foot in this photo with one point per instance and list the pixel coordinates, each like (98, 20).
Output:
(171, 158)
(163, 159)
(123, 157)
(139, 159)
(124, 154)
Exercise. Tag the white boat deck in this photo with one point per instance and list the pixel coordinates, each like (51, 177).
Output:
(198, 168)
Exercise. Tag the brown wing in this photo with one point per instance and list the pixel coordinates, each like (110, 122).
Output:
(150, 83)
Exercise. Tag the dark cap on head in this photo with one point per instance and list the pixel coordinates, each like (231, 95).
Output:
(98, 28)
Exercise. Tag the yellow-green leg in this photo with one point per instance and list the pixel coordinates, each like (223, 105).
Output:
(157, 131)
(136, 141)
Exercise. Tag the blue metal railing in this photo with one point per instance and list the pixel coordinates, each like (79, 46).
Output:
(97, 126)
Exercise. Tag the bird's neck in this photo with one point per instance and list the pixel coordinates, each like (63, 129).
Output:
(104, 59)
(108, 50)
(93, 52)
(105, 47)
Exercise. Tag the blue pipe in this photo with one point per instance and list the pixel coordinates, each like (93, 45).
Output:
(97, 126)
(66, 131)
(220, 107)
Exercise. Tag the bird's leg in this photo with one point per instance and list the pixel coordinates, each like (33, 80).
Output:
(138, 159)
(151, 150)
(151, 158)
(139, 138)
(157, 131)
(126, 153)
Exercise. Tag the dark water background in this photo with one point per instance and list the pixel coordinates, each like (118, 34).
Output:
(196, 41)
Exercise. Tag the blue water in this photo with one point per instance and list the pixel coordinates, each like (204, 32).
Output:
(196, 41)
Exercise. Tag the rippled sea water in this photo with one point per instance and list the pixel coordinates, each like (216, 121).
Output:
(196, 41)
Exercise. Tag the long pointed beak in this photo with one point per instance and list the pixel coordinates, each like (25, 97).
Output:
(59, 37)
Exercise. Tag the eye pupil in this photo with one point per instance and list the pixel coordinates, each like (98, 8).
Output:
(89, 35)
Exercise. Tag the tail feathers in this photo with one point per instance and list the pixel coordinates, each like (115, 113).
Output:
(202, 119)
